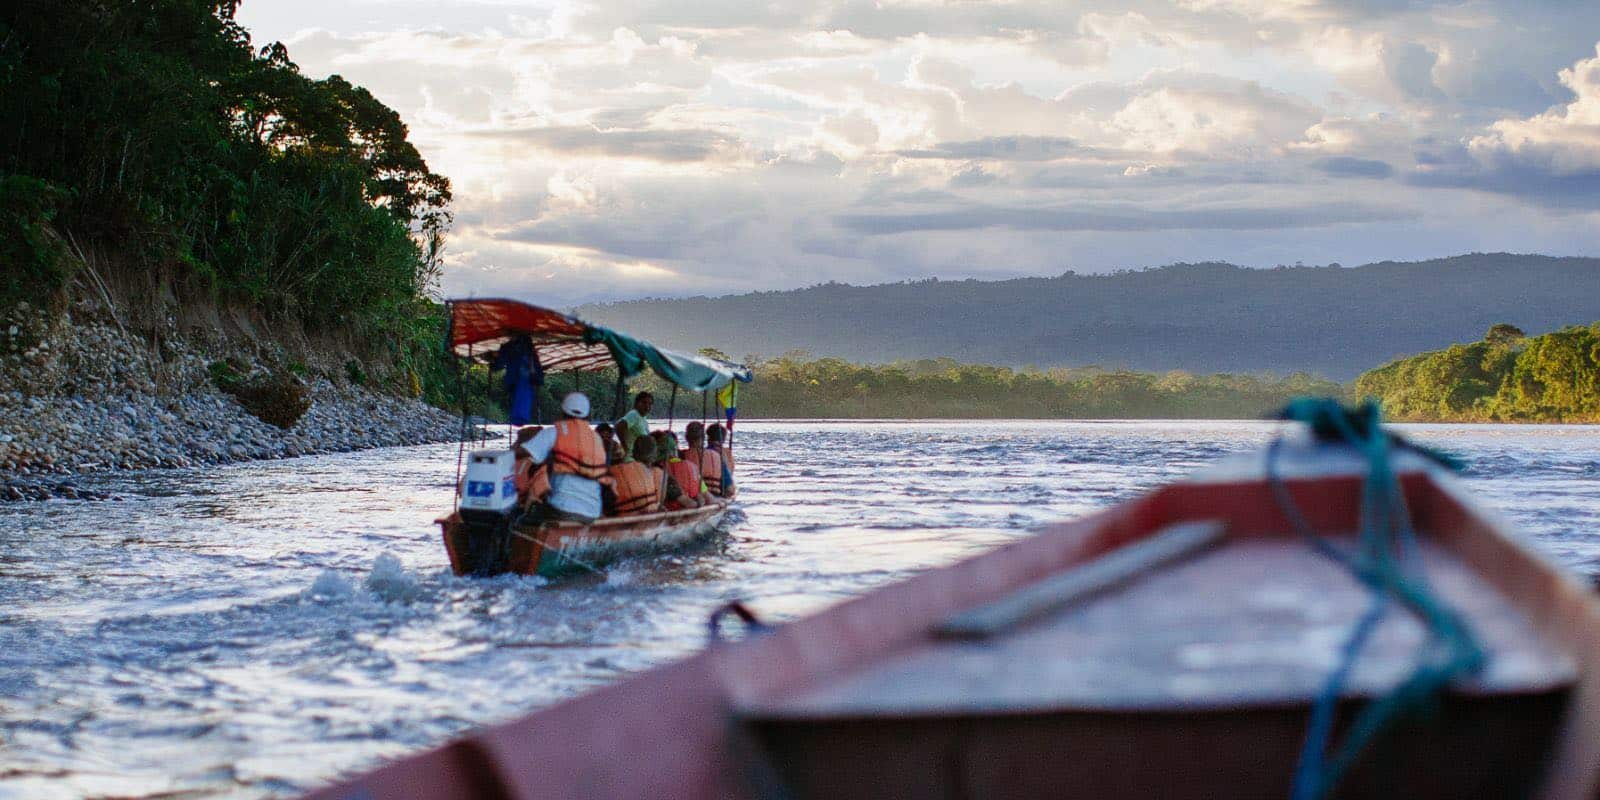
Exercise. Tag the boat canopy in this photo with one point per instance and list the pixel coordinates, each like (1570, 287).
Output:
(478, 328)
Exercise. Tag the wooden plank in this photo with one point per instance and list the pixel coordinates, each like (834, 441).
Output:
(1168, 546)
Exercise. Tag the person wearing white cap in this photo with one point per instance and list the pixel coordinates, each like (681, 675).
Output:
(576, 460)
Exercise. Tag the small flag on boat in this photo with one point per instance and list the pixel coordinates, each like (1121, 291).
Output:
(728, 398)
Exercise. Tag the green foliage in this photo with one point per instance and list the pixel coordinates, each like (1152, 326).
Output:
(228, 374)
(33, 256)
(180, 147)
(795, 386)
(354, 373)
(1506, 377)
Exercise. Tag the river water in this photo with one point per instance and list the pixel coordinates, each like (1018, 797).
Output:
(258, 629)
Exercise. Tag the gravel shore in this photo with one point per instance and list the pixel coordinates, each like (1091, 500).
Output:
(86, 396)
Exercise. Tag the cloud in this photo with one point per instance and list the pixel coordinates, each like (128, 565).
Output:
(1102, 218)
(671, 146)
(603, 150)
(1210, 115)
(1352, 167)
(1562, 141)
(1551, 158)
(1004, 148)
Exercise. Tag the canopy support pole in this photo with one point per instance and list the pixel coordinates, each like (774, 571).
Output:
(672, 408)
(461, 389)
(538, 389)
(618, 394)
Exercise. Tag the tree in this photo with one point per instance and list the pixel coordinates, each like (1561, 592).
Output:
(1504, 334)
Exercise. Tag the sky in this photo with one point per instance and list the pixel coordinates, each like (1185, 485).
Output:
(647, 148)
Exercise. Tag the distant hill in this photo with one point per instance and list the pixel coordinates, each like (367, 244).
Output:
(1334, 321)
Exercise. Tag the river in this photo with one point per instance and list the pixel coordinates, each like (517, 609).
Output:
(257, 629)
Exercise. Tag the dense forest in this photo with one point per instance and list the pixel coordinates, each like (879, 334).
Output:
(149, 149)
(943, 388)
(1202, 318)
(1506, 377)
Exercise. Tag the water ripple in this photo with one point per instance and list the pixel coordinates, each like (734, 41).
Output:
(255, 629)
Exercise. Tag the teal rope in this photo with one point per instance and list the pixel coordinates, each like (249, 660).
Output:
(1449, 652)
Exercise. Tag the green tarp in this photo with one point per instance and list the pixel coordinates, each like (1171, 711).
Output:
(696, 373)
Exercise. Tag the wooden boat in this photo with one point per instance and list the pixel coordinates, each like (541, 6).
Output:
(1167, 647)
(484, 534)
(557, 548)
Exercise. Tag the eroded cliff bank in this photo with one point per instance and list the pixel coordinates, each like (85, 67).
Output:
(80, 391)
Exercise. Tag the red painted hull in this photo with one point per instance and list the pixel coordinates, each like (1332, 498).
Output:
(706, 727)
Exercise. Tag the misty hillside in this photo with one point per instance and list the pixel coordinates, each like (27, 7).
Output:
(1334, 321)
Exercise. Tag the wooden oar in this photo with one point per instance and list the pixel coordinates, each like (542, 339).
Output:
(1173, 544)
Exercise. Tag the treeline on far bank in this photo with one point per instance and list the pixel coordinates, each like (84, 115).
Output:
(796, 386)
(1506, 377)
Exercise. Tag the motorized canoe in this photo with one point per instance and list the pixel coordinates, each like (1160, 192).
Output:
(1171, 646)
(557, 548)
(484, 534)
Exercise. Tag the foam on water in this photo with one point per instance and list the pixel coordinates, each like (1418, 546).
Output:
(390, 582)
(330, 587)
(255, 630)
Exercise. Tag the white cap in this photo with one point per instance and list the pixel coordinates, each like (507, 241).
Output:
(576, 405)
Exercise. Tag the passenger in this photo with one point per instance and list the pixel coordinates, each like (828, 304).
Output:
(715, 440)
(709, 461)
(637, 481)
(615, 453)
(682, 473)
(607, 436)
(669, 487)
(664, 440)
(576, 462)
(532, 481)
(636, 422)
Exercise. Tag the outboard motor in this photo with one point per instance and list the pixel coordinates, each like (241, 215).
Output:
(488, 507)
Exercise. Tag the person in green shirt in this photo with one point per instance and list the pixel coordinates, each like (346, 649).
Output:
(636, 422)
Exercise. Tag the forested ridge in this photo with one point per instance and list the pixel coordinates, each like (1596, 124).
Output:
(1505, 377)
(1203, 318)
(152, 153)
(942, 388)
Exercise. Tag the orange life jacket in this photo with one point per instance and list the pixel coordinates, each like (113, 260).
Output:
(686, 475)
(710, 464)
(636, 488)
(577, 451)
(661, 486)
(533, 483)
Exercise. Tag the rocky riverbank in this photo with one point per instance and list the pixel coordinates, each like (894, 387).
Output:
(80, 394)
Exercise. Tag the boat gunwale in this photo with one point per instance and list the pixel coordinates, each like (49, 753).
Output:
(686, 514)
